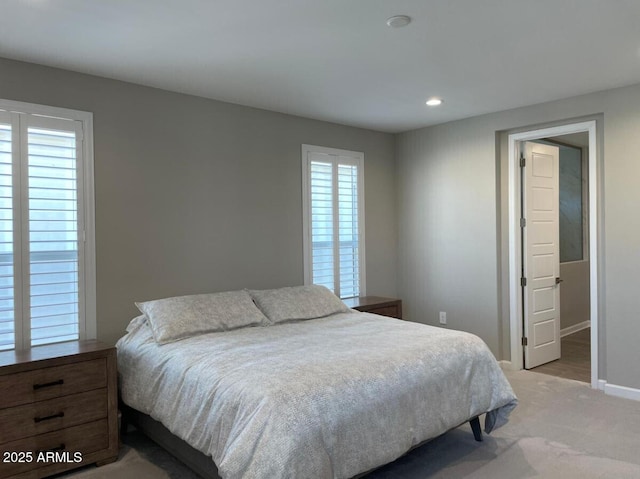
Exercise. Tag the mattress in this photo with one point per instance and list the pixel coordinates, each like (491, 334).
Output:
(325, 398)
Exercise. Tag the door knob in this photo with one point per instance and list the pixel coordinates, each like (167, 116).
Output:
(558, 280)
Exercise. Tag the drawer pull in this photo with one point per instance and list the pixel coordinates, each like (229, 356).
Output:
(47, 385)
(46, 418)
(53, 449)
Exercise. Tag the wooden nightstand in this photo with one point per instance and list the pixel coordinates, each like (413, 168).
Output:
(377, 305)
(57, 401)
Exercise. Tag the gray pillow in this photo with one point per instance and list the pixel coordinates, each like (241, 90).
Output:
(183, 316)
(298, 302)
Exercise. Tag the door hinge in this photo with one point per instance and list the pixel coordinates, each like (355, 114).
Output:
(525, 342)
(523, 162)
(523, 222)
(523, 282)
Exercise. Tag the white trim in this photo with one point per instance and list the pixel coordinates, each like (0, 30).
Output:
(306, 222)
(335, 208)
(574, 262)
(361, 230)
(601, 384)
(20, 338)
(575, 328)
(506, 365)
(515, 256)
(44, 110)
(89, 234)
(23, 211)
(621, 391)
(356, 158)
(42, 115)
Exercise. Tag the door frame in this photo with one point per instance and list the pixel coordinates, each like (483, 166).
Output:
(515, 233)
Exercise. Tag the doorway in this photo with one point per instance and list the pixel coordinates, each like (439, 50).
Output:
(573, 358)
(571, 137)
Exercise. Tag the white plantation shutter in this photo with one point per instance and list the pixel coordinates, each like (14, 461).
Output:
(53, 234)
(43, 272)
(7, 324)
(334, 243)
(322, 252)
(348, 236)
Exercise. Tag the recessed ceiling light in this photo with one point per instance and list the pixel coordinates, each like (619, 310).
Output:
(398, 21)
(434, 101)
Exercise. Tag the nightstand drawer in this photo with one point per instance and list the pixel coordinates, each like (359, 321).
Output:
(391, 311)
(48, 383)
(376, 305)
(86, 439)
(44, 416)
(59, 399)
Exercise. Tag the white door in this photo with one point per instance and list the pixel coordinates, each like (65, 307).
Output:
(541, 253)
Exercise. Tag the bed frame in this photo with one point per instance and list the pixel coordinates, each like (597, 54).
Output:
(197, 461)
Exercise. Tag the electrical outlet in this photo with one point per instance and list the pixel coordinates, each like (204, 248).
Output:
(443, 317)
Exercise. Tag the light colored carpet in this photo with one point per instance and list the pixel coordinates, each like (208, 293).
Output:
(130, 465)
(561, 429)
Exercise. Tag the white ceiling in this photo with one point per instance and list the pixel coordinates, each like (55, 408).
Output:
(337, 60)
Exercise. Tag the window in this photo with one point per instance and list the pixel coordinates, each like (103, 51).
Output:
(47, 254)
(333, 209)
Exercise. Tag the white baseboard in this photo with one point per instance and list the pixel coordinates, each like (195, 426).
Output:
(601, 384)
(575, 328)
(506, 365)
(619, 391)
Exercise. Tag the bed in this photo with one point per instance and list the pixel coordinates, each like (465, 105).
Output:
(296, 393)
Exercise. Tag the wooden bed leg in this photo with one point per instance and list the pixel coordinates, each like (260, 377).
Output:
(475, 427)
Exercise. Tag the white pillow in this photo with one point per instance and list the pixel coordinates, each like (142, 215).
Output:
(298, 302)
(176, 318)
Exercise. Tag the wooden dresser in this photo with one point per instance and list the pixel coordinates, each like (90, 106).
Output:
(377, 305)
(58, 408)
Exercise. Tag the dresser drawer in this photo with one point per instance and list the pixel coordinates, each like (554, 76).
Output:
(44, 416)
(48, 383)
(86, 439)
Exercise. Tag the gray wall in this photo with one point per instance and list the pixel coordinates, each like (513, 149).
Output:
(574, 293)
(196, 195)
(452, 225)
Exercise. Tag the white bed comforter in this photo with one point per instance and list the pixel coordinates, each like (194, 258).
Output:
(330, 397)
